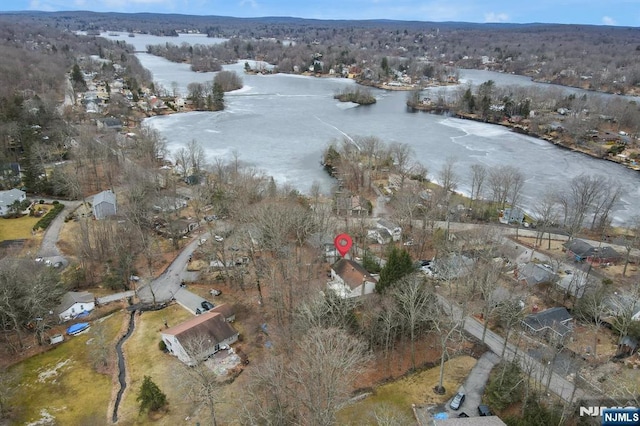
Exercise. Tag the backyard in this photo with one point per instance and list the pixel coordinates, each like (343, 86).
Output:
(22, 227)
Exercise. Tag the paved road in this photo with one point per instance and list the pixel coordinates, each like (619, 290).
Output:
(167, 286)
(115, 297)
(557, 383)
(48, 248)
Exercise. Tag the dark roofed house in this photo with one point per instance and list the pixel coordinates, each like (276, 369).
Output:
(553, 323)
(206, 333)
(349, 279)
(583, 251)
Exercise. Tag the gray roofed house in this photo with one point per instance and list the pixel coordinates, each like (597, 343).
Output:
(74, 303)
(104, 204)
(533, 274)
(553, 323)
(7, 198)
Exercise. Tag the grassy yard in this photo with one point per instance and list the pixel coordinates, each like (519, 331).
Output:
(144, 358)
(415, 389)
(61, 384)
(19, 228)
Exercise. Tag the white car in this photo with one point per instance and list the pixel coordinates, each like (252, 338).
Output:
(218, 238)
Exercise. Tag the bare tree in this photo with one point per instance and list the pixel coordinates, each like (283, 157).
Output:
(631, 241)
(592, 307)
(198, 381)
(478, 176)
(413, 304)
(402, 153)
(327, 362)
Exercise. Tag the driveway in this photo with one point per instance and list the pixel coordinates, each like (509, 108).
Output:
(474, 386)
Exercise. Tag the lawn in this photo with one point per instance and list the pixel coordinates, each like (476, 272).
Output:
(144, 358)
(19, 228)
(414, 389)
(61, 384)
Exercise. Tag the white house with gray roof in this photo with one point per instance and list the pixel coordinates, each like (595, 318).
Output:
(7, 198)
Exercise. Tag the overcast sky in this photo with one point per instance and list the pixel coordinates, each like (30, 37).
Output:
(593, 12)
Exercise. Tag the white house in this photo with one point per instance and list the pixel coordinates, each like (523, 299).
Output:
(7, 198)
(206, 333)
(104, 204)
(394, 230)
(74, 303)
(349, 279)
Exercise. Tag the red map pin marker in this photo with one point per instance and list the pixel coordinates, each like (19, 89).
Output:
(343, 243)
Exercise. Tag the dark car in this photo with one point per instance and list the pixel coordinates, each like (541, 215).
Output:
(483, 410)
(207, 305)
(457, 401)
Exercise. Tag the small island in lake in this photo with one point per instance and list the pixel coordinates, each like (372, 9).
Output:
(356, 95)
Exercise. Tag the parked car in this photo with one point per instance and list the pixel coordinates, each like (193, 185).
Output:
(457, 401)
(483, 410)
(215, 292)
(218, 238)
(206, 305)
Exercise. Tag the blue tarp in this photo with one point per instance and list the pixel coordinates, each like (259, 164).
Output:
(83, 314)
(440, 416)
(76, 328)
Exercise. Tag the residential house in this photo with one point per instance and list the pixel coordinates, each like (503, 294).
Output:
(621, 304)
(576, 283)
(554, 324)
(511, 215)
(534, 273)
(452, 266)
(74, 303)
(7, 198)
(205, 334)
(349, 279)
(104, 204)
(183, 226)
(380, 235)
(392, 228)
(109, 123)
(169, 204)
(228, 313)
(582, 251)
(353, 205)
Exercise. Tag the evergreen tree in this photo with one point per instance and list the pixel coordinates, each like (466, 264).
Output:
(77, 77)
(398, 265)
(218, 97)
(150, 397)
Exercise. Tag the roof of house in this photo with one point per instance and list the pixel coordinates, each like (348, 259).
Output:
(104, 197)
(387, 224)
(584, 249)
(352, 273)
(9, 197)
(468, 421)
(210, 324)
(534, 273)
(72, 297)
(225, 309)
(554, 318)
